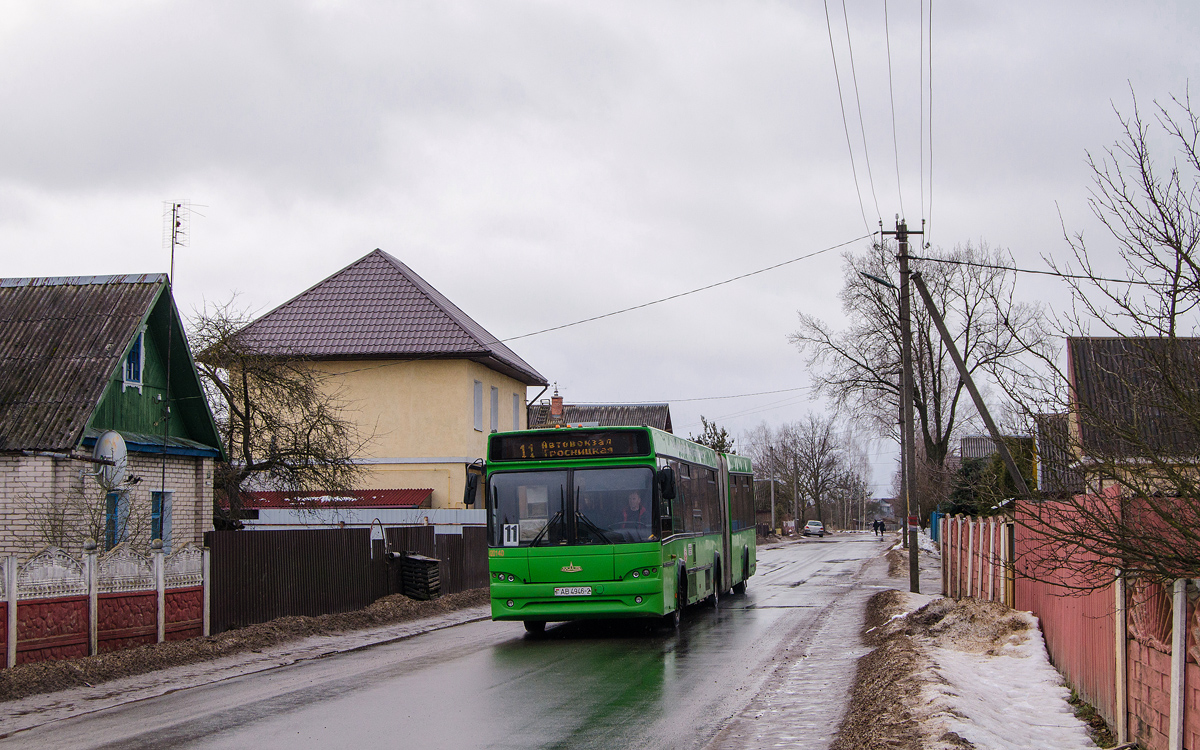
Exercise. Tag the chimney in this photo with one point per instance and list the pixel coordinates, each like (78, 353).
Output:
(556, 406)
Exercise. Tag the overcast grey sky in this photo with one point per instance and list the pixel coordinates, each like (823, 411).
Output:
(542, 162)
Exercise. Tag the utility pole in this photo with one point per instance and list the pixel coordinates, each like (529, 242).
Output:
(908, 437)
(796, 493)
(772, 489)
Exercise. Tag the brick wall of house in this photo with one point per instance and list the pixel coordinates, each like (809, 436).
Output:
(45, 500)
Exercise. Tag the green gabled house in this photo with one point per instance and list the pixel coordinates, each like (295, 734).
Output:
(80, 356)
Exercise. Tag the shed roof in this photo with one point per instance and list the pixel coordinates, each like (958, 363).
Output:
(379, 308)
(61, 339)
(1133, 396)
(605, 415)
(352, 499)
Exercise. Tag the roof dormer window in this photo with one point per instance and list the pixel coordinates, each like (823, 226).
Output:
(135, 361)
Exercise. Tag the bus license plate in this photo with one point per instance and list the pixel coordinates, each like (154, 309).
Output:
(573, 591)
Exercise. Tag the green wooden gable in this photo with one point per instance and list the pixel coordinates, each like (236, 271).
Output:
(140, 413)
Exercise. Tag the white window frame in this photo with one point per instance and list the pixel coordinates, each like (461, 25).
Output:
(126, 381)
(479, 406)
(516, 412)
(495, 427)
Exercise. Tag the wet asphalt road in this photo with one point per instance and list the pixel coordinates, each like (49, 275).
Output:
(485, 684)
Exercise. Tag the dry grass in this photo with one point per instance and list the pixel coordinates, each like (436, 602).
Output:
(885, 685)
(49, 676)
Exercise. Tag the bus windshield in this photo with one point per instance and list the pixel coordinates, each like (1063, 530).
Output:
(580, 506)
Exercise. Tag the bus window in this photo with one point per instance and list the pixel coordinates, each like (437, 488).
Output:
(614, 506)
(527, 508)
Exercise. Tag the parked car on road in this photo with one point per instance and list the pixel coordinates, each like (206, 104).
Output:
(814, 527)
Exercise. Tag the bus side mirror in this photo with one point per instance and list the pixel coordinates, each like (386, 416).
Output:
(472, 488)
(666, 483)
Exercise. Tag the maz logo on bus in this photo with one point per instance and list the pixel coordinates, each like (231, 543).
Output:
(571, 567)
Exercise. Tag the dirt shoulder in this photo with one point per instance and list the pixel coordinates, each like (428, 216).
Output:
(49, 676)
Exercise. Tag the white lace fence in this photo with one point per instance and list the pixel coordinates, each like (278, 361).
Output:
(56, 606)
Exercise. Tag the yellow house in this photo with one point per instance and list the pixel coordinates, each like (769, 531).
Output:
(419, 375)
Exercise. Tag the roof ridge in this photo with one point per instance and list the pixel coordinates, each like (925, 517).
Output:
(130, 278)
(437, 298)
(335, 274)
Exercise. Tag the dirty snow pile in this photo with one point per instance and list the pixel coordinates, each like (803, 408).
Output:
(987, 680)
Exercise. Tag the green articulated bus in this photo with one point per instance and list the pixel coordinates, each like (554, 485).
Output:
(603, 522)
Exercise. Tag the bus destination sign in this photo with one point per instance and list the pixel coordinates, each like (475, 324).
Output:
(574, 444)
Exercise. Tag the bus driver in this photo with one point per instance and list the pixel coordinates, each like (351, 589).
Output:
(635, 514)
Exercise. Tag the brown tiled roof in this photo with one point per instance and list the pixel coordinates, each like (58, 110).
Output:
(378, 308)
(1134, 396)
(605, 415)
(61, 339)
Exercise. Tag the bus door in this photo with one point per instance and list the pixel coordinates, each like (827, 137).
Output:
(726, 541)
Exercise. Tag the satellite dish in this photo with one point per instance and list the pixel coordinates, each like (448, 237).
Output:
(111, 447)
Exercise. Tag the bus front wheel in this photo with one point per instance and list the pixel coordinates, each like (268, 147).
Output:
(535, 627)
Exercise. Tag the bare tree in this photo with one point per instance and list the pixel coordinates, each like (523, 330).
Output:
(1133, 430)
(285, 427)
(858, 367)
(813, 463)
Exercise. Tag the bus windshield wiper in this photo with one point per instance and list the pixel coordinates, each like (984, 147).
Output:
(540, 534)
(594, 528)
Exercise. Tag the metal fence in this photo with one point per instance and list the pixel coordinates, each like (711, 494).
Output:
(463, 557)
(260, 575)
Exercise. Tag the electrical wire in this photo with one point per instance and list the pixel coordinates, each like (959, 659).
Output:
(862, 127)
(929, 79)
(690, 291)
(1039, 272)
(921, 120)
(720, 398)
(739, 277)
(845, 125)
(892, 95)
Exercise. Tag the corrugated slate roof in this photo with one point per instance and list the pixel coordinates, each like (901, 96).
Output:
(60, 341)
(379, 308)
(605, 415)
(1135, 395)
(1058, 476)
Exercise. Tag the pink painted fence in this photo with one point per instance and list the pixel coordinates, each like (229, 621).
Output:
(1117, 644)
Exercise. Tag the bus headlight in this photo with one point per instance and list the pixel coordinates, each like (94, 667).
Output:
(511, 578)
(646, 572)
(637, 599)
(635, 574)
(510, 602)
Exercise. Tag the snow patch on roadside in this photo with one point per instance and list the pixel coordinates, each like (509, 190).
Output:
(990, 683)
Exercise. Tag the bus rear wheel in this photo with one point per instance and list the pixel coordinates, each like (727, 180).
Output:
(535, 627)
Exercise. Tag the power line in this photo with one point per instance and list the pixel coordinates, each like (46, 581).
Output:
(494, 340)
(891, 93)
(1039, 272)
(719, 398)
(921, 117)
(845, 125)
(862, 127)
(929, 79)
(691, 291)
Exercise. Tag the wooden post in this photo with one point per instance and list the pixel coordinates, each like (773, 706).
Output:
(991, 558)
(1122, 646)
(970, 556)
(943, 526)
(1178, 662)
(91, 563)
(206, 575)
(10, 590)
(161, 590)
